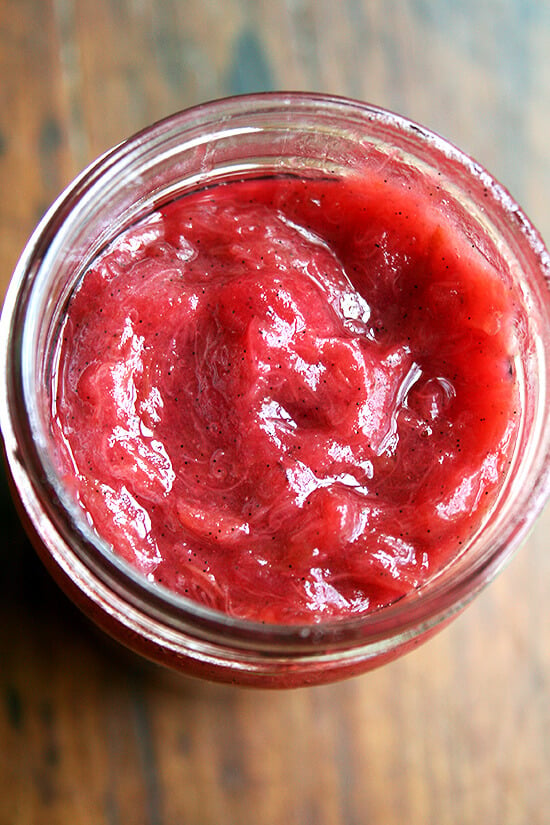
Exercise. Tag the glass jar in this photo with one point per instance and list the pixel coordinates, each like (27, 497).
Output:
(252, 136)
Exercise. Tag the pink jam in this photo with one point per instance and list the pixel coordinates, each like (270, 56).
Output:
(290, 400)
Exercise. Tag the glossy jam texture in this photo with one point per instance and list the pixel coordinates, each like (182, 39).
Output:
(287, 399)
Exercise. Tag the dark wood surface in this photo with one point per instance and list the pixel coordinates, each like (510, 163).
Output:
(457, 733)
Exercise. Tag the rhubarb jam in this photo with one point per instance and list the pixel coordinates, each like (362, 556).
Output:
(288, 399)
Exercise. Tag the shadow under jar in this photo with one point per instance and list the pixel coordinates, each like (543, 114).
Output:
(308, 166)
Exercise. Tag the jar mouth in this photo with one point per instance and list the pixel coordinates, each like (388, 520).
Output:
(189, 139)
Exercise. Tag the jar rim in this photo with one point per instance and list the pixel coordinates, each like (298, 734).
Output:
(33, 472)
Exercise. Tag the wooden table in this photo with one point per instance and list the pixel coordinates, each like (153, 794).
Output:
(457, 733)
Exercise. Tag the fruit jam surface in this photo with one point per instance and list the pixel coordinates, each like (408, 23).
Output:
(291, 400)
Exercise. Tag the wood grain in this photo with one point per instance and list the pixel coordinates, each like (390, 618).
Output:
(458, 732)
